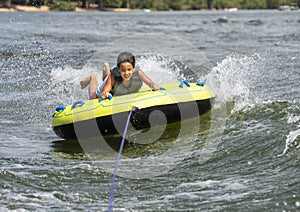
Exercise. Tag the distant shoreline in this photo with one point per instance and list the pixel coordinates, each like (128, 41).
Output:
(20, 8)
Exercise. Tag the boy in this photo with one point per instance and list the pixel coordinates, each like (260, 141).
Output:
(124, 79)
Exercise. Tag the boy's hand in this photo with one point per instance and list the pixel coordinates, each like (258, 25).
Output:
(105, 94)
(154, 85)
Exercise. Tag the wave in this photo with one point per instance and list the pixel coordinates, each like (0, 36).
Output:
(252, 111)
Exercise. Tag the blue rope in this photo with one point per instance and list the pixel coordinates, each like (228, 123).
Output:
(112, 187)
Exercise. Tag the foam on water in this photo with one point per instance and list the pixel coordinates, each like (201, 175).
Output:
(291, 141)
(293, 119)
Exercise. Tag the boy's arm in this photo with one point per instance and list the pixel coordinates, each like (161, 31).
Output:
(147, 80)
(107, 87)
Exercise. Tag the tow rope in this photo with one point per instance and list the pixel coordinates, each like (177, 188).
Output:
(112, 187)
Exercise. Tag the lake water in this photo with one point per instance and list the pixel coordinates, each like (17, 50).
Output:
(245, 157)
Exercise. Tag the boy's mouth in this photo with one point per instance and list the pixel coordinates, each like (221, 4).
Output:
(126, 76)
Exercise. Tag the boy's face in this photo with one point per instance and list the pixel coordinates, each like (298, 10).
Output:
(126, 71)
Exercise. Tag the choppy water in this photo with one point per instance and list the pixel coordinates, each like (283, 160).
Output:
(245, 156)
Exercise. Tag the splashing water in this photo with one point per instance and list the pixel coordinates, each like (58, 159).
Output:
(162, 69)
(65, 82)
(232, 78)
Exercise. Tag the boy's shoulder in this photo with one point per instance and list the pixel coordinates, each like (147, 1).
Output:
(115, 71)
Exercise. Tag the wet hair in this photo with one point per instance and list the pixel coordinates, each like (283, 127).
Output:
(126, 57)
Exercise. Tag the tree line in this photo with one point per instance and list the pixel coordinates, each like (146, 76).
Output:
(155, 4)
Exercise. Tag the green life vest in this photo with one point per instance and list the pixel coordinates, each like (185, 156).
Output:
(135, 84)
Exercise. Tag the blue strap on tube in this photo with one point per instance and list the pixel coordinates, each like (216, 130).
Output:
(184, 82)
(161, 88)
(77, 103)
(200, 83)
(108, 96)
(60, 108)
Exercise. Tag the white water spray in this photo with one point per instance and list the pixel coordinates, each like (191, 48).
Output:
(231, 79)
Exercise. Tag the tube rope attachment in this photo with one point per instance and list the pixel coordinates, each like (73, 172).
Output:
(112, 187)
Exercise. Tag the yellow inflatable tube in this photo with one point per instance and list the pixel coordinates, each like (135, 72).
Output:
(168, 101)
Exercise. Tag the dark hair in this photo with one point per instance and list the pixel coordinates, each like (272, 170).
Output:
(126, 57)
